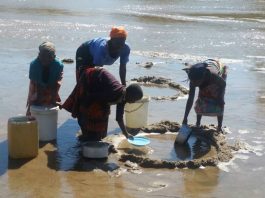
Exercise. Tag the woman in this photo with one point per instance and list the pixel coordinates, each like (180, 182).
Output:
(45, 74)
(210, 77)
(91, 98)
(104, 51)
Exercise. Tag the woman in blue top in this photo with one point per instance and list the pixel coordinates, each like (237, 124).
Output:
(45, 74)
(104, 51)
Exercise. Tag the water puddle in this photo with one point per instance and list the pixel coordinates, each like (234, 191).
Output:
(206, 147)
(162, 147)
(167, 89)
(163, 91)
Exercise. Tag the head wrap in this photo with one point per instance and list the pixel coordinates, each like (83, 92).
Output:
(118, 32)
(48, 47)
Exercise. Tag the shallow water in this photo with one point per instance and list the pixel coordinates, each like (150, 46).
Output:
(162, 147)
(168, 34)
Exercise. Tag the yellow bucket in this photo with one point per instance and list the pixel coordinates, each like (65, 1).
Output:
(23, 138)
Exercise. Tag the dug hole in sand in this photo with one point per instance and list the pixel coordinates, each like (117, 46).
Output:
(205, 147)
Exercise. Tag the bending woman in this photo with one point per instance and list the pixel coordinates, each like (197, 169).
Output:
(210, 77)
(45, 74)
(91, 98)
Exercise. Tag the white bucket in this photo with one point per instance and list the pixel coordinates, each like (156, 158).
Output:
(136, 113)
(47, 118)
(97, 149)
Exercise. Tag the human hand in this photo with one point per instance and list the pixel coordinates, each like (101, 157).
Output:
(58, 104)
(29, 116)
(130, 137)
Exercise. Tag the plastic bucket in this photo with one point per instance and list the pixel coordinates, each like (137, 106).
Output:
(47, 118)
(23, 140)
(136, 114)
(183, 134)
(95, 149)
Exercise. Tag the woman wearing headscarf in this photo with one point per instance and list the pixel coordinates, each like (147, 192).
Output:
(91, 98)
(104, 51)
(45, 74)
(210, 77)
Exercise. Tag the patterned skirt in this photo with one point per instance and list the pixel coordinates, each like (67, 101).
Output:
(93, 121)
(208, 107)
(207, 104)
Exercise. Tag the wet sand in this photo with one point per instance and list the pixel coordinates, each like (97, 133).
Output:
(60, 170)
(168, 34)
(42, 177)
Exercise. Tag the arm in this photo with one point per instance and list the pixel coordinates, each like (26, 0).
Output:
(124, 59)
(122, 73)
(32, 95)
(119, 119)
(123, 128)
(56, 89)
(189, 104)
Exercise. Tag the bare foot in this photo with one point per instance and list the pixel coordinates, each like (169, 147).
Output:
(220, 130)
(198, 126)
(112, 149)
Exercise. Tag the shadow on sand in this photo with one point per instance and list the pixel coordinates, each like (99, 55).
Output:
(68, 156)
(8, 163)
(62, 154)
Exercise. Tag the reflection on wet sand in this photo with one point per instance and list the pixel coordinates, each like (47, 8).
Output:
(68, 156)
(38, 178)
(60, 170)
(174, 183)
(32, 178)
(200, 182)
(95, 184)
(85, 177)
(183, 152)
